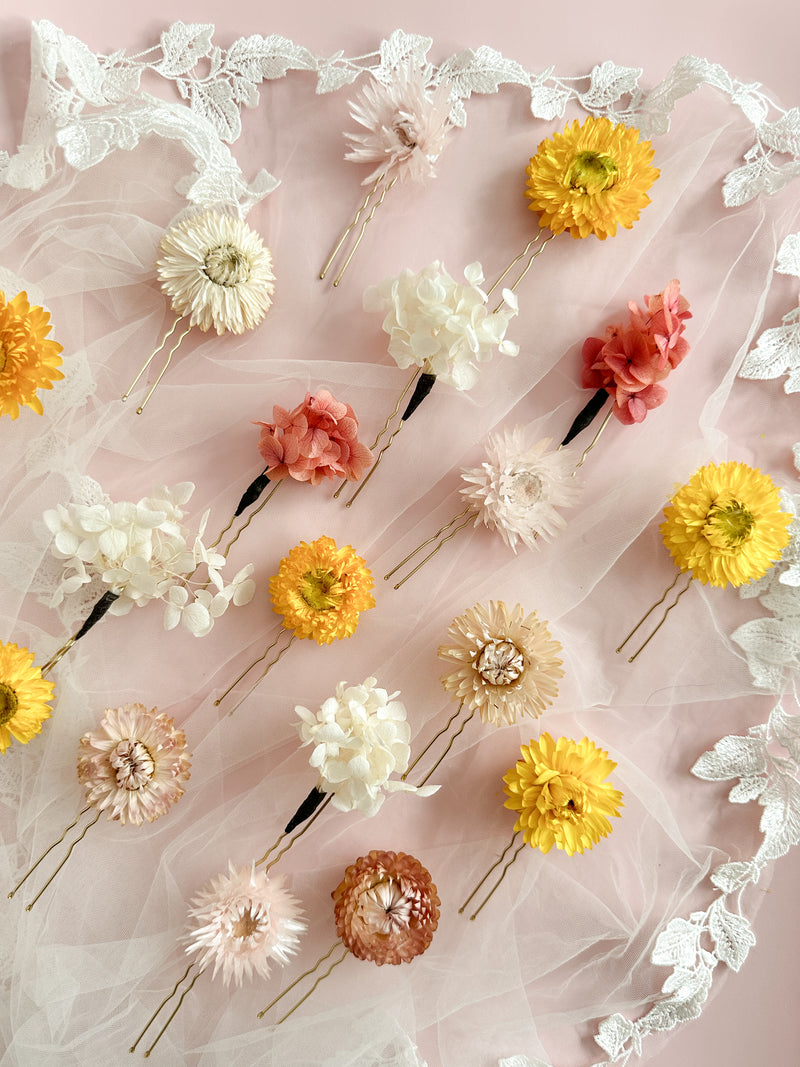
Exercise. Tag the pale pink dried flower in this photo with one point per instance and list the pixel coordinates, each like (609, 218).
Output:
(406, 124)
(242, 921)
(134, 764)
(386, 908)
(317, 439)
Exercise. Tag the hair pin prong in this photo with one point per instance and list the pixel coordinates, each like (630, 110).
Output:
(306, 974)
(163, 370)
(647, 615)
(173, 992)
(379, 189)
(497, 884)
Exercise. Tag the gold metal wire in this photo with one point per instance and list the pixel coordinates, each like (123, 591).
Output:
(493, 867)
(534, 240)
(364, 224)
(645, 617)
(163, 370)
(375, 465)
(537, 252)
(303, 999)
(244, 526)
(425, 544)
(385, 426)
(59, 654)
(593, 441)
(661, 623)
(156, 1013)
(77, 840)
(433, 740)
(352, 226)
(152, 356)
(247, 670)
(285, 849)
(298, 980)
(263, 674)
(497, 884)
(441, 544)
(457, 734)
(175, 1011)
(48, 850)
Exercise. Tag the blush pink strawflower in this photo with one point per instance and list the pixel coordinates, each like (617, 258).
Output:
(134, 765)
(636, 356)
(317, 439)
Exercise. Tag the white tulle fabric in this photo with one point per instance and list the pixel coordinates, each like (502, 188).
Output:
(565, 942)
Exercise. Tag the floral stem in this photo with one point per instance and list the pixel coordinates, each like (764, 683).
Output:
(423, 387)
(586, 415)
(95, 615)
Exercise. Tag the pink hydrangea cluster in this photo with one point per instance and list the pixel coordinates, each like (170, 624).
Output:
(317, 439)
(635, 357)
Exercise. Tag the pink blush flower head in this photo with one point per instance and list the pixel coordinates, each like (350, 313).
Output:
(317, 439)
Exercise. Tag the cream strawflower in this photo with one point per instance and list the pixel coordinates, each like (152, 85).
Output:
(218, 271)
(440, 324)
(517, 490)
(242, 921)
(134, 765)
(360, 738)
(406, 124)
(504, 663)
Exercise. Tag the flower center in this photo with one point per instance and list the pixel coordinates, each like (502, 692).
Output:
(133, 764)
(526, 488)
(592, 172)
(321, 589)
(3, 355)
(500, 662)
(226, 265)
(729, 526)
(247, 924)
(563, 798)
(8, 703)
(386, 907)
(405, 134)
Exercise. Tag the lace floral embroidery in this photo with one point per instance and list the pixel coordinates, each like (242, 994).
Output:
(777, 350)
(90, 105)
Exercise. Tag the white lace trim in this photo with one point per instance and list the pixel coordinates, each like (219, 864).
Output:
(777, 351)
(90, 105)
(694, 947)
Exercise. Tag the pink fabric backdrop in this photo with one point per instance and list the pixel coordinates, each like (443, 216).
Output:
(248, 773)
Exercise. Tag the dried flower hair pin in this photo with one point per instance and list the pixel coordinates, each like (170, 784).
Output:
(141, 552)
(132, 766)
(216, 272)
(316, 440)
(386, 910)
(590, 179)
(241, 922)
(29, 359)
(360, 738)
(503, 665)
(520, 486)
(440, 327)
(561, 796)
(320, 591)
(405, 123)
(725, 526)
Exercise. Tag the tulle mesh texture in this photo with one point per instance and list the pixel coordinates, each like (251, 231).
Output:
(562, 943)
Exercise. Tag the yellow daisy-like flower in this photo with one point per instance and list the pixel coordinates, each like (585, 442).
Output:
(591, 178)
(23, 696)
(726, 524)
(560, 792)
(320, 590)
(28, 358)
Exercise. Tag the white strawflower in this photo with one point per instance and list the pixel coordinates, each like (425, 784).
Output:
(360, 738)
(242, 921)
(518, 489)
(406, 123)
(440, 324)
(218, 271)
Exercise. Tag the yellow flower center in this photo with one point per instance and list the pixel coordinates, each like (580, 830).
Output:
(729, 526)
(132, 763)
(321, 589)
(245, 925)
(226, 265)
(8, 703)
(592, 172)
(563, 798)
(3, 355)
(499, 662)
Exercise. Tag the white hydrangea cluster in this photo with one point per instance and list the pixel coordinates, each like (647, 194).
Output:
(360, 737)
(143, 552)
(432, 319)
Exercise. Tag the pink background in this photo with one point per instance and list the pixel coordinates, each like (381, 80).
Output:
(751, 1018)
